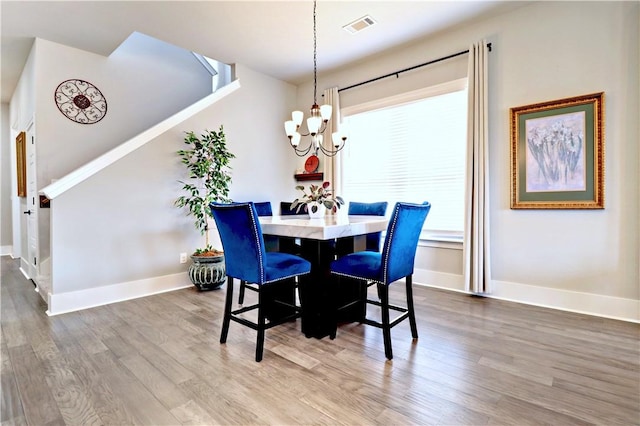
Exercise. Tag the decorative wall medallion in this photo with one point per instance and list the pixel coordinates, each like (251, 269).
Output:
(80, 101)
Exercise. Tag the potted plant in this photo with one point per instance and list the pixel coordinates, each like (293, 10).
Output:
(317, 200)
(207, 161)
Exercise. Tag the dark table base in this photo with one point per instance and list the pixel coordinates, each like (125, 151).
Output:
(321, 293)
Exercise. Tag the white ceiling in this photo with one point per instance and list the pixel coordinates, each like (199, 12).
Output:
(273, 37)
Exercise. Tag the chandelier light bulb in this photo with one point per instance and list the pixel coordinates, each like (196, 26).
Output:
(336, 138)
(313, 124)
(295, 139)
(325, 112)
(289, 128)
(297, 117)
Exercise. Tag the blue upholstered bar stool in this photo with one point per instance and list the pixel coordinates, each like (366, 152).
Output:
(286, 210)
(263, 208)
(394, 263)
(246, 259)
(379, 208)
(289, 244)
(370, 209)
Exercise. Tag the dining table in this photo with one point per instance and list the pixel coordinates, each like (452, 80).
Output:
(316, 240)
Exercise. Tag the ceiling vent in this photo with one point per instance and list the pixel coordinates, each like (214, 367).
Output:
(359, 24)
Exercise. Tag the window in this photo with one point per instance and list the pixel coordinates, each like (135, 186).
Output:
(411, 148)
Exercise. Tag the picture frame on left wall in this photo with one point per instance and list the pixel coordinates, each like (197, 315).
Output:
(557, 154)
(21, 163)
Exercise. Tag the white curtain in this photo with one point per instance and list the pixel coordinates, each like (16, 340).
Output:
(331, 165)
(477, 259)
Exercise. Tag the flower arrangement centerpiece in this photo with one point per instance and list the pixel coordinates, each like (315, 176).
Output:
(317, 200)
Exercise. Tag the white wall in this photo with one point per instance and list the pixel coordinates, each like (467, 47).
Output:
(576, 260)
(21, 114)
(6, 233)
(144, 81)
(132, 232)
(117, 234)
(119, 227)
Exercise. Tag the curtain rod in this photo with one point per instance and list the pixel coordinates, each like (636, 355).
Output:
(397, 73)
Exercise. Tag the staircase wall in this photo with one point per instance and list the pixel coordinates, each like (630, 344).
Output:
(144, 81)
(117, 235)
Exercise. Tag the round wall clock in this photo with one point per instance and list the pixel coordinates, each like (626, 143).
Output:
(80, 101)
(311, 165)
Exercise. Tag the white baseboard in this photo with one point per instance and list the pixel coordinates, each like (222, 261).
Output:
(24, 267)
(6, 251)
(565, 300)
(89, 298)
(573, 301)
(439, 280)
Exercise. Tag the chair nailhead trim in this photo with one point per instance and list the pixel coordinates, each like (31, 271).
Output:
(387, 242)
(284, 278)
(356, 277)
(255, 235)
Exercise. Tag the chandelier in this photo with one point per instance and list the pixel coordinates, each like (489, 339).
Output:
(318, 118)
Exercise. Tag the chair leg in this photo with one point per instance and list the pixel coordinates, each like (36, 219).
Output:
(364, 286)
(383, 291)
(335, 282)
(227, 311)
(261, 327)
(412, 313)
(243, 284)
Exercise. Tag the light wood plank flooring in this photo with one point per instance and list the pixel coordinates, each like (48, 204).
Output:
(157, 361)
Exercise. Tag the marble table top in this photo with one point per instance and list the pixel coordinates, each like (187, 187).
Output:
(327, 228)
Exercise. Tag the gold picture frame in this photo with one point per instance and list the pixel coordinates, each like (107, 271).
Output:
(557, 154)
(21, 163)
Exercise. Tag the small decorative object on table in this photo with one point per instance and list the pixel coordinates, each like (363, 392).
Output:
(317, 200)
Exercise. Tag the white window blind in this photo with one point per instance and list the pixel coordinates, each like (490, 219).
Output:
(411, 148)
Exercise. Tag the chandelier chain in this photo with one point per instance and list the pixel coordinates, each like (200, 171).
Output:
(320, 116)
(315, 57)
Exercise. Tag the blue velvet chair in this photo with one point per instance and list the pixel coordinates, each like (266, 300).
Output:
(263, 208)
(394, 263)
(286, 210)
(345, 246)
(287, 244)
(246, 259)
(370, 209)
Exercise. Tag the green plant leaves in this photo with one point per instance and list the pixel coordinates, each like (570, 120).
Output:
(207, 161)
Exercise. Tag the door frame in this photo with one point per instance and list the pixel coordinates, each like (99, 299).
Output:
(33, 202)
(29, 258)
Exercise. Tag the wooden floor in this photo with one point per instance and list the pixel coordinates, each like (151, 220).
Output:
(157, 361)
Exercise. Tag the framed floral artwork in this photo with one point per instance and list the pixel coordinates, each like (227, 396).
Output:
(557, 154)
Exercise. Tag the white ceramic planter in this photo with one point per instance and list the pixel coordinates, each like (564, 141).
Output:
(316, 210)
